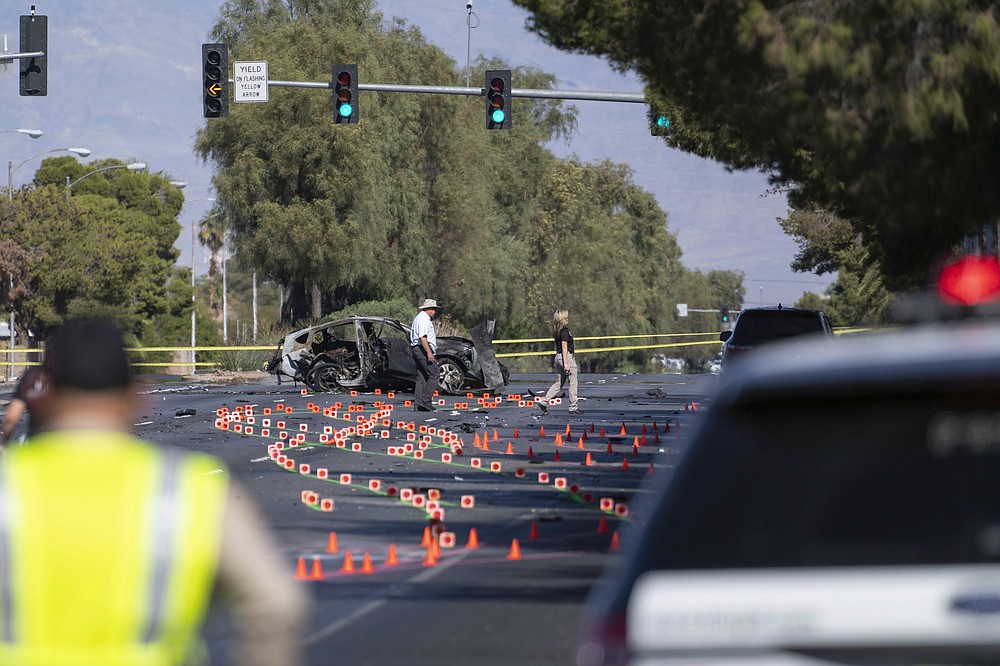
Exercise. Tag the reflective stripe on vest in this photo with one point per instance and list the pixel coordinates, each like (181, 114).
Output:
(121, 576)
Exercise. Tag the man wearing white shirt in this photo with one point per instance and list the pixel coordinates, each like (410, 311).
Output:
(423, 346)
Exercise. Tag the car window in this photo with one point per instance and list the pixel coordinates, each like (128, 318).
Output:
(864, 480)
(759, 326)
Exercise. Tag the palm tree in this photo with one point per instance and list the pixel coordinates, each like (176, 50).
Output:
(212, 234)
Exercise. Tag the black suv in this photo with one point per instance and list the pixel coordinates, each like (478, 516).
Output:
(756, 326)
(837, 505)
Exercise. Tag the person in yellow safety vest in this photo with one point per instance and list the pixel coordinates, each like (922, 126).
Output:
(110, 546)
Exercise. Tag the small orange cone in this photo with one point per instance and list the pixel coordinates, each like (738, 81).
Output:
(635, 441)
(589, 461)
(515, 550)
(495, 435)
(635, 450)
(615, 543)
(568, 431)
(426, 541)
(579, 443)
(317, 569)
(623, 433)
(558, 439)
(602, 431)
(435, 549)
(541, 431)
(650, 468)
(366, 564)
(533, 534)
(475, 441)
(430, 560)
(331, 545)
(603, 526)
(300, 570)
(510, 448)
(654, 425)
(486, 444)
(392, 559)
(610, 450)
(625, 464)
(643, 428)
(531, 454)
(656, 438)
(556, 457)
(348, 566)
(517, 434)
(473, 541)
(591, 427)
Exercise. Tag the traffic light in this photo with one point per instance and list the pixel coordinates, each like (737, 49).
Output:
(498, 111)
(659, 123)
(34, 38)
(215, 88)
(345, 94)
(725, 315)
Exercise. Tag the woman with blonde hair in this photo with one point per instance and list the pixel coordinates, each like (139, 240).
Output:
(566, 368)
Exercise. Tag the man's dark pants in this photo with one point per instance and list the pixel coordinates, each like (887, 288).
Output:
(427, 379)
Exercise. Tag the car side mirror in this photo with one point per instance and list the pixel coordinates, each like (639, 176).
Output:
(725, 335)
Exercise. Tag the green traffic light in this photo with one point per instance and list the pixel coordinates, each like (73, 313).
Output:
(345, 110)
(662, 122)
(498, 116)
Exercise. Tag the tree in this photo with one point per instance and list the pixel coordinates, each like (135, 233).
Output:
(212, 235)
(882, 112)
(108, 250)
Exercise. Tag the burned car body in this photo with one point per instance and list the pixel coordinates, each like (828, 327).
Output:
(374, 352)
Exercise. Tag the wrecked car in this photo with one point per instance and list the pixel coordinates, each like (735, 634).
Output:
(374, 352)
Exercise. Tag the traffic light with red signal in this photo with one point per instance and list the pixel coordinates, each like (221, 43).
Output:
(498, 100)
(215, 88)
(345, 94)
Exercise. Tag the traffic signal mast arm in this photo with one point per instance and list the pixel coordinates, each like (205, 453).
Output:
(8, 57)
(580, 95)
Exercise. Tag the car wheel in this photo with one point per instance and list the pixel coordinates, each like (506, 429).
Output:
(452, 378)
(323, 378)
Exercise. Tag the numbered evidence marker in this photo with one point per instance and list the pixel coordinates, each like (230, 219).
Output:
(250, 81)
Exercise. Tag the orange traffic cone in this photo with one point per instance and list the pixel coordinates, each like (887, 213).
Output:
(366, 564)
(317, 569)
(533, 533)
(610, 450)
(426, 541)
(517, 434)
(510, 448)
(556, 457)
(435, 549)
(650, 468)
(603, 526)
(348, 566)
(602, 431)
(300, 570)
(515, 550)
(568, 431)
(495, 435)
(392, 559)
(589, 461)
(579, 443)
(473, 541)
(531, 453)
(623, 433)
(331, 545)
(541, 431)
(615, 543)
(558, 439)
(624, 464)
(429, 559)
(475, 441)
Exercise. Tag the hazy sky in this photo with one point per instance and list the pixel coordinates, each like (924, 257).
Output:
(125, 82)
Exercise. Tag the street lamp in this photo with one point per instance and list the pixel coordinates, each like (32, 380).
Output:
(134, 166)
(82, 152)
(33, 133)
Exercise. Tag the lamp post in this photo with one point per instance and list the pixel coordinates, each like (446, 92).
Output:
(193, 318)
(82, 152)
(134, 166)
(33, 133)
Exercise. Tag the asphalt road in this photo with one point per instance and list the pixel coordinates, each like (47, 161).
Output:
(471, 605)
